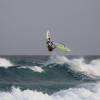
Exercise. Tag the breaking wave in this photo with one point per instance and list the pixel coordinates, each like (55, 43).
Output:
(91, 69)
(59, 78)
(78, 93)
(5, 63)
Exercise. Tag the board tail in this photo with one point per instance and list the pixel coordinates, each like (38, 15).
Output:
(48, 35)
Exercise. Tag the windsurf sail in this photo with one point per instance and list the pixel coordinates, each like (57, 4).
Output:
(62, 47)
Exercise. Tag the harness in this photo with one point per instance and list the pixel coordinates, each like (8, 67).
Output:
(50, 45)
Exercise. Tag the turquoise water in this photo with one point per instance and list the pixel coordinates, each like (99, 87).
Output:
(50, 77)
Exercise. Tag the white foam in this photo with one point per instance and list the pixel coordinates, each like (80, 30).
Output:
(79, 93)
(34, 68)
(79, 65)
(93, 68)
(5, 63)
(58, 59)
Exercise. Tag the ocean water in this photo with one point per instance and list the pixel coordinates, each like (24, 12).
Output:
(50, 77)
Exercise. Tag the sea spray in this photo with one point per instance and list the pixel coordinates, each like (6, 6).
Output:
(79, 65)
(5, 63)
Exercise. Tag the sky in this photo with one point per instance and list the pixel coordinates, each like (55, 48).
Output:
(23, 26)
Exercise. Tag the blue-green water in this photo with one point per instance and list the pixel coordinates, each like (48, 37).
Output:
(51, 78)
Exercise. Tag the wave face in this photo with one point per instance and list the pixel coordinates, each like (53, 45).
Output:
(44, 75)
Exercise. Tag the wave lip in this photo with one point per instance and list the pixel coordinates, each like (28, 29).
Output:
(5, 63)
(91, 69)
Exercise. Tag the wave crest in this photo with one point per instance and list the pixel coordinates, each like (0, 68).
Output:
(91, 69)
(5, 63)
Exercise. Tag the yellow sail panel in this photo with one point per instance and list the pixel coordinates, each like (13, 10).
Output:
(62, 47)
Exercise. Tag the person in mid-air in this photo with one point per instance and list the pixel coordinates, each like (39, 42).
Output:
(50, 45)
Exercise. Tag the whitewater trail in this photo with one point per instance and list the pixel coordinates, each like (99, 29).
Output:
(90, 92)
